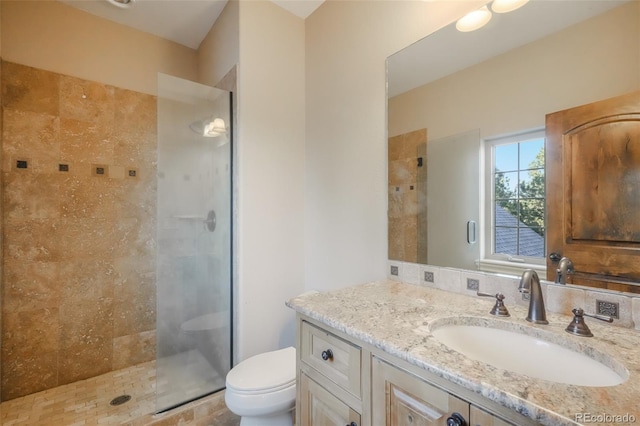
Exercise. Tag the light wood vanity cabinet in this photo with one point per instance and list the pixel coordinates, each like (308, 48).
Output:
(479, 417)
(330, 379)
(401, 399)
(342, 382)
(318, 407)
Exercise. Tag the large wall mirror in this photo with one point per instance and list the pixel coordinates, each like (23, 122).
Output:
(466, 127)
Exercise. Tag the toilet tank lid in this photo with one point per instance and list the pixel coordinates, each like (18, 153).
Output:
(264, 371)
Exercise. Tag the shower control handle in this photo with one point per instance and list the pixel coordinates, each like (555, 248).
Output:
(327, 355)
(210, 221)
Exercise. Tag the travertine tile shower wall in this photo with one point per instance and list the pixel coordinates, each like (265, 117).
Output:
(79, 193)
(407, 214)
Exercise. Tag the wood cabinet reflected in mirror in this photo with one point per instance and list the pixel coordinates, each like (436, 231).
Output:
(594, 56)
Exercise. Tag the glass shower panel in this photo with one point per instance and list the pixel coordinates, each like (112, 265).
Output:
(193, 241)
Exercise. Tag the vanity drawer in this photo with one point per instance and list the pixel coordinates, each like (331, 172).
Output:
(333, 357)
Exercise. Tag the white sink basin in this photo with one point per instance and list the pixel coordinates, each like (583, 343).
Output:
(534, 356)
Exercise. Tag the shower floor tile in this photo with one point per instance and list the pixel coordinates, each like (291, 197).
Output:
(185, 376)
(87, 402)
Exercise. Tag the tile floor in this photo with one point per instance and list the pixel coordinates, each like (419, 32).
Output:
(183, 377)
(87, 402)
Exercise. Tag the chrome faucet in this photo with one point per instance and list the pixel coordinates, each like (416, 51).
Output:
(530, 283)
(565, 267)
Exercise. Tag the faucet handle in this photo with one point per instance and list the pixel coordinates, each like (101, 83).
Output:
(605, 318)
(579, 327)
(565, 267)
(498, 309)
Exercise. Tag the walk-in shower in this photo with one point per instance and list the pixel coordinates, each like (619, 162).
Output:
(116, 227)
(194, 241)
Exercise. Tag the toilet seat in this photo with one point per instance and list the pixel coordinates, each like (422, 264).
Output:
(262, 391)
(264, 373)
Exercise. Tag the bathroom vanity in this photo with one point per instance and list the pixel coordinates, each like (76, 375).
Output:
(367, 356)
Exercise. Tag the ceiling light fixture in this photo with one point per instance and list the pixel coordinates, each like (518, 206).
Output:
(123, 4)
(504, 6)
(479, 18)
(474, 20)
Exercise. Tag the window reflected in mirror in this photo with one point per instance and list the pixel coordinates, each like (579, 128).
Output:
(517, 188)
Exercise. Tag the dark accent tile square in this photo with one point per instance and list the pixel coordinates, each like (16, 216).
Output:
(473, 284)
(99, 170)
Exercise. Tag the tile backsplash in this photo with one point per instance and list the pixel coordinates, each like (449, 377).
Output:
(558, 298)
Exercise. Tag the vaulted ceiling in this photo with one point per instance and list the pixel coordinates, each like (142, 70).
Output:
(186, 22)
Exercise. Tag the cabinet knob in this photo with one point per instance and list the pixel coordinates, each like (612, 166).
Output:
(352, 424)
(456, 419)
(327, 355)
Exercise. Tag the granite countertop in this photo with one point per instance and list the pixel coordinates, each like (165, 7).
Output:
(396, 317)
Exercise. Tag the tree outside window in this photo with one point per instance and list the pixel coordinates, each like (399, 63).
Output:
(519, 198)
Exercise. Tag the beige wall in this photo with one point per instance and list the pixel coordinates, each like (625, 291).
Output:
(56, 37)
(514, 91)
(270, 144)
(220, 49)
(347, 43)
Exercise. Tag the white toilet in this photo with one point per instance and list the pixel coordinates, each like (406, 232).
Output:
(262, 389)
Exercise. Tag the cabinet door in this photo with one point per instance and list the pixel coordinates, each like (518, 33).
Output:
(479, 417)
(402, 399)
(320, 408)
